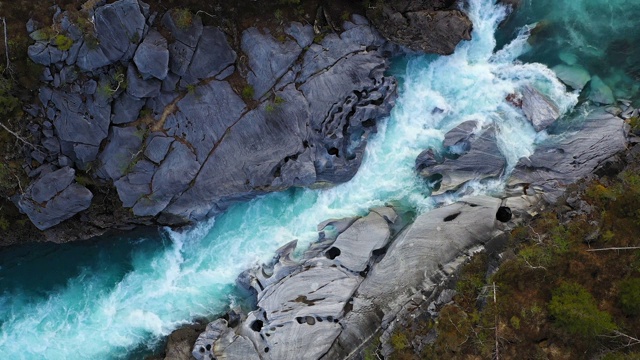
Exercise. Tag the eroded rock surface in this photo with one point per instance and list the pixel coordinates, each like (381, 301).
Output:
(467, 156)
(149, 108)
(53, 198)
(324, 305)
(565, 158)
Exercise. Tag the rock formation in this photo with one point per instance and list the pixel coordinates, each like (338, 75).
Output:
(345, 289)
(435, 26)
(151, 108)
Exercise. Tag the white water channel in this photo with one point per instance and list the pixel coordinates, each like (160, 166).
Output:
(108, 311)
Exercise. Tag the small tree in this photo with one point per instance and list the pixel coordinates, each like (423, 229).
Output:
(574, 310)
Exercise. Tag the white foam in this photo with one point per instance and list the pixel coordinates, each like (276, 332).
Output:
(91, 318)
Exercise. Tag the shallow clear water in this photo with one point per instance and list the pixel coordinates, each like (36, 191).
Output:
(599, 35)
(117, 297)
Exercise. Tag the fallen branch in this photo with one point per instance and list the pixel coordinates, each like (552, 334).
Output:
(616, 248)
(18, 136)
(6, 46)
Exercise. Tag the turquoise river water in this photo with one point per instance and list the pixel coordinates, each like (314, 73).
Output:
(115, 298)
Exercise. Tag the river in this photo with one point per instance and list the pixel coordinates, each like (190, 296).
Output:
(117, 297)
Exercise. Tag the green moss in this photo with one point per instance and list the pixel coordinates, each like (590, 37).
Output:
(248, 92)
(183, 18)
(269, 108)
(629, 296)
(574, 310)
(62, 42)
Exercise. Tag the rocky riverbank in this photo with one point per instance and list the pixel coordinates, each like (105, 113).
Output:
(182, 124)
(346, 292)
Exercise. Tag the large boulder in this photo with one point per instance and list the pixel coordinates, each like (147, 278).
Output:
(152, 56)
(599, 92)
(80, 124)
(564, 159)
(538, 108)
(573, 75)
(269, 59)
(429, 26)
(470, 157)
(119, 27)
(53, 198)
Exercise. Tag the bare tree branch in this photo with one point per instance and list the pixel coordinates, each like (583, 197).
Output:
(6, 45)
(616, 248)
(17, 136)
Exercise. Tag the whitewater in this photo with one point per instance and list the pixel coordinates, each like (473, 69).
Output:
(121, 301)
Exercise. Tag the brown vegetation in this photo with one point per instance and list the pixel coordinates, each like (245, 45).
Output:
(556, 298)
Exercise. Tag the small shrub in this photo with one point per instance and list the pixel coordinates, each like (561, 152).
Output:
(574, 310)
(515, 322)
(191, 88)
(278, 100)
(629, 296)
(399, 341)
(62, 42)
(248, 92)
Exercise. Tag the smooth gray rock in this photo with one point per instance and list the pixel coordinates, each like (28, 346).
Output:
(416, 261)
(460, 133)
(573, 75)
(152, 56)
(358, 242)
(136, 184)
(538, 108)
(212, 55)
(126, 109)
(119, 27)
(563, 159)
(268, 58)
(157, 148)
(303, 34)
(599, 92)
(139, 87)
(45, 54)
(335, 47)
(187, 35)
(48, 186)
(250, 152)
(204, 116)
(53, 198)
(168, 181)
(481, 160)
(80, 125)
(180, 57)
(122, 149)
(339, 157)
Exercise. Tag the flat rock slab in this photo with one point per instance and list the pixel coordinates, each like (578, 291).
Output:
(538, 108)
(482, 160)
(53, 198)
(564, 159)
